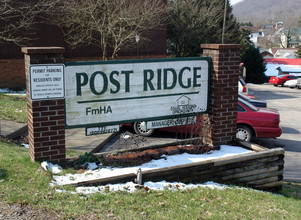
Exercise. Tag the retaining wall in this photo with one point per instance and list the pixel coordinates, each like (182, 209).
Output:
(260, 169)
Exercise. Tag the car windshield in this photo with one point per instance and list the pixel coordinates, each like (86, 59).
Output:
(242, 81)
(248, 104)
(281, 76)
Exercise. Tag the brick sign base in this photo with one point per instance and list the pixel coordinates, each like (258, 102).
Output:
(46, 119)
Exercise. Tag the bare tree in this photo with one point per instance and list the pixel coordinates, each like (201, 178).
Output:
(286, 39)
(17, 19)
(109, 23)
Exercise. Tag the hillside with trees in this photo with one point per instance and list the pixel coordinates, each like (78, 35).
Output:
(268, 11)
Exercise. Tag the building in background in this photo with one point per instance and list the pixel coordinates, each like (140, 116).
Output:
(12, 70)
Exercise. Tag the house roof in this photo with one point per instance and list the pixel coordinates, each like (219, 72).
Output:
(283, 61)
(265, 53)
(284, 52)
(274, 50)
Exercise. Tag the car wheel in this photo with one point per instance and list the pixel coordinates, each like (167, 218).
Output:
(140, 129)
(275, 85)
(243, 133)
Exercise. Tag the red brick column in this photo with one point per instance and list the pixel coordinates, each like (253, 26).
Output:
(46, 121)
(222, 116)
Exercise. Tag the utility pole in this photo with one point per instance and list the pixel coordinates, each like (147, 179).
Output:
(137, 38)
(224, 23)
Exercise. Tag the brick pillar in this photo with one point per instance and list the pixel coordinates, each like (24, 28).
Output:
(46, 121)
(222, 116)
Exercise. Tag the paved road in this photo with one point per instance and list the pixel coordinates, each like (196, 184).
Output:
(288, 103)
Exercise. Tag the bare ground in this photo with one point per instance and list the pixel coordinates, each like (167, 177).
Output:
(20, 212)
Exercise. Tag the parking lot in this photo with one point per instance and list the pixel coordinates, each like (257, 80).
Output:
(288, 102)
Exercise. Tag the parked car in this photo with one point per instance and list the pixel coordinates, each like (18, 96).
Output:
(256, 122)
(257, 103)
(280, 80)
(242, 86)
(291, 83)
(299, 83)
(251, 122)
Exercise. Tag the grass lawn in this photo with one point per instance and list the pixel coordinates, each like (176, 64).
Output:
(25, 182)
(13, 107)
(22, 181)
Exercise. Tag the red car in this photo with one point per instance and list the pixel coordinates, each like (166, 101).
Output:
(256, 122)
(280, 80)
(251, 122)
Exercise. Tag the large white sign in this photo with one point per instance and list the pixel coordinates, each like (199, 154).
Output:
(116, 92)
(46, 81)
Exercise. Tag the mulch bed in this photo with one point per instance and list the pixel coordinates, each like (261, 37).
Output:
(128, 159)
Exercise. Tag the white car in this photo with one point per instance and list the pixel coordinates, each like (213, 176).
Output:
(299, 83)
(291, 83)
(242, 86)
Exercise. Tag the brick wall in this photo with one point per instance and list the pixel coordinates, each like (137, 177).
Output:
(74, 59)
(222, 115)
(46, 129)
(12, 70)
(12, 73)
(46, 118)
(12, 63)
(47, 35)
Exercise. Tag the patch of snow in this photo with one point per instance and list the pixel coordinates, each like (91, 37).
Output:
(6, 90)
(53, 168)
(91, 166)
(126, 136)
(167, 161)
(25, 145)
(155, 186)
(182, 186)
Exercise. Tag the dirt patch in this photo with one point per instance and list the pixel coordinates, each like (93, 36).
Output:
(128, 149)
(21, 211)
(136, 158)
(128, 140)
(19, 140)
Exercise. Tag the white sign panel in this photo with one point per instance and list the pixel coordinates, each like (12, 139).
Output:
(171, 122)
(102, 130)
(46, 81)
(116, 92)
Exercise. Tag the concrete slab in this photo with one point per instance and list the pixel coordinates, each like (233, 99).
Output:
(78, 141)
(11, 129)
(288, 103)
(129, 141)
(292, 167)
